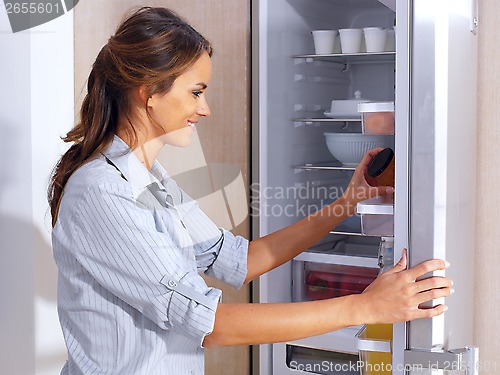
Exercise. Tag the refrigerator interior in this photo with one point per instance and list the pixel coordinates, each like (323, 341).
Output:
(297, 173)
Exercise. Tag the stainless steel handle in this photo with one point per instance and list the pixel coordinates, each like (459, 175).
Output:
(464, 359)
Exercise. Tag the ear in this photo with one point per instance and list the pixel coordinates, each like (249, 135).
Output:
(140, 95)
(144, 94)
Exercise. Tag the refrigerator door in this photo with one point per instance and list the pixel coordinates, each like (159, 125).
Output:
(435, 170)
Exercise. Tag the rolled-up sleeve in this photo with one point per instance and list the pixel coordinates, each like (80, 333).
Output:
(230, 264)
(115, 240)
(190, 309)
(218, 252)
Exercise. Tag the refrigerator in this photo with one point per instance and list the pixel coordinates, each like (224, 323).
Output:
(429, 72)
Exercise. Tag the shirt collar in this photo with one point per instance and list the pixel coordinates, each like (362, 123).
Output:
(120, 154)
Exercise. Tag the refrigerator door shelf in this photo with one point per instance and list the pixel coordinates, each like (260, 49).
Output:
(371, 344)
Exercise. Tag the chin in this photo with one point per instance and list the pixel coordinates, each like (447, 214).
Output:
(178, 138)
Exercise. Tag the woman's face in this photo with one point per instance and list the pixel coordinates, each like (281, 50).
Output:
(178, 111)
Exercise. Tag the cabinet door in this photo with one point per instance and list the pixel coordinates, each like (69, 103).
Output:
(220, 152)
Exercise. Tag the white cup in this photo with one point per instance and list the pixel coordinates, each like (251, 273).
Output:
(324, 41)
(375, 38)
(350, 40)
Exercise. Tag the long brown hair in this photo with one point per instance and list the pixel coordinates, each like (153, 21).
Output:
(151, 48)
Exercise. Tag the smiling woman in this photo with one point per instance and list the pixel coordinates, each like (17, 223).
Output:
(176, 113)
(130, 244)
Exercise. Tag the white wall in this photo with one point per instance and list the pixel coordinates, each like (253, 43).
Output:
(36, 108)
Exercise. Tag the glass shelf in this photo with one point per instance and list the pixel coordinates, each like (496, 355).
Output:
(354, 58)
(346, 233)
(325, 166)
(317, 121)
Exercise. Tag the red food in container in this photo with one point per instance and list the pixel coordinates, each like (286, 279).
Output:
(377, 118)
(343, 281)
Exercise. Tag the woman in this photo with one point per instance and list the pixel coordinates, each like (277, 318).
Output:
(129, 244)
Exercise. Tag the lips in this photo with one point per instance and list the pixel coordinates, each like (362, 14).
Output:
(192, 124)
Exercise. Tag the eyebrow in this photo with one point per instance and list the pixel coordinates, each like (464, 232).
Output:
(203, 85)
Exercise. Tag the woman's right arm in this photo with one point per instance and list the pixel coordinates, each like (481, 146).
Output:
(395, 296)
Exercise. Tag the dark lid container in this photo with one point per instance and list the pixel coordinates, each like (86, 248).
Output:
(380, 162)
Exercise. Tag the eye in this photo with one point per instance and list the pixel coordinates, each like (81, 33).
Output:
(197, 93)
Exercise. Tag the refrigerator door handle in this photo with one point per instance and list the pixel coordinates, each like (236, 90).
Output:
(464, 359)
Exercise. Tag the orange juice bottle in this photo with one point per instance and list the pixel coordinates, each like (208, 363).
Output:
(378, 362)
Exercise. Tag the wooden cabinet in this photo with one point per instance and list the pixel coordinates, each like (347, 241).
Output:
(487, 279)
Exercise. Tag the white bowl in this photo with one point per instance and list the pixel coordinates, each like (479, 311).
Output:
(349, 148)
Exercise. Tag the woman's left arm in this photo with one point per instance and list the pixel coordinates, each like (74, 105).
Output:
(271, 251)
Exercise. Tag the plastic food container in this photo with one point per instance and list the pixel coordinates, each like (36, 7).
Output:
(317, 281)
(377, 117)
(377, 216)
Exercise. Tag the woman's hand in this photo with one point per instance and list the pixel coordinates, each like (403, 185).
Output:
(362, 186)
(397, 296)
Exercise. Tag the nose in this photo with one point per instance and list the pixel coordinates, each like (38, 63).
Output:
(203, 108)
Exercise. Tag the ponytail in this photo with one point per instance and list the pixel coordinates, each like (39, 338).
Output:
(88, 140)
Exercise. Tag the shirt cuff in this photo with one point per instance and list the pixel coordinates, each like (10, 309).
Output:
(230, 266)
(192, 307)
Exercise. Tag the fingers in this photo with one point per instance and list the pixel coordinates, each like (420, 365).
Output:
(433, 283)
(372, 153)
(430, 312)
(405, 294)
(401, 265)
(431, 289)
(368, 157)
(376, 191)
(426, 267)
(433, 294)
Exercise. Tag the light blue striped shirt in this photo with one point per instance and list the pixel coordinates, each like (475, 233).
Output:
(129, 245)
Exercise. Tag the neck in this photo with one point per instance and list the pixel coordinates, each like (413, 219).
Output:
(148, 151)
(146, 148)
